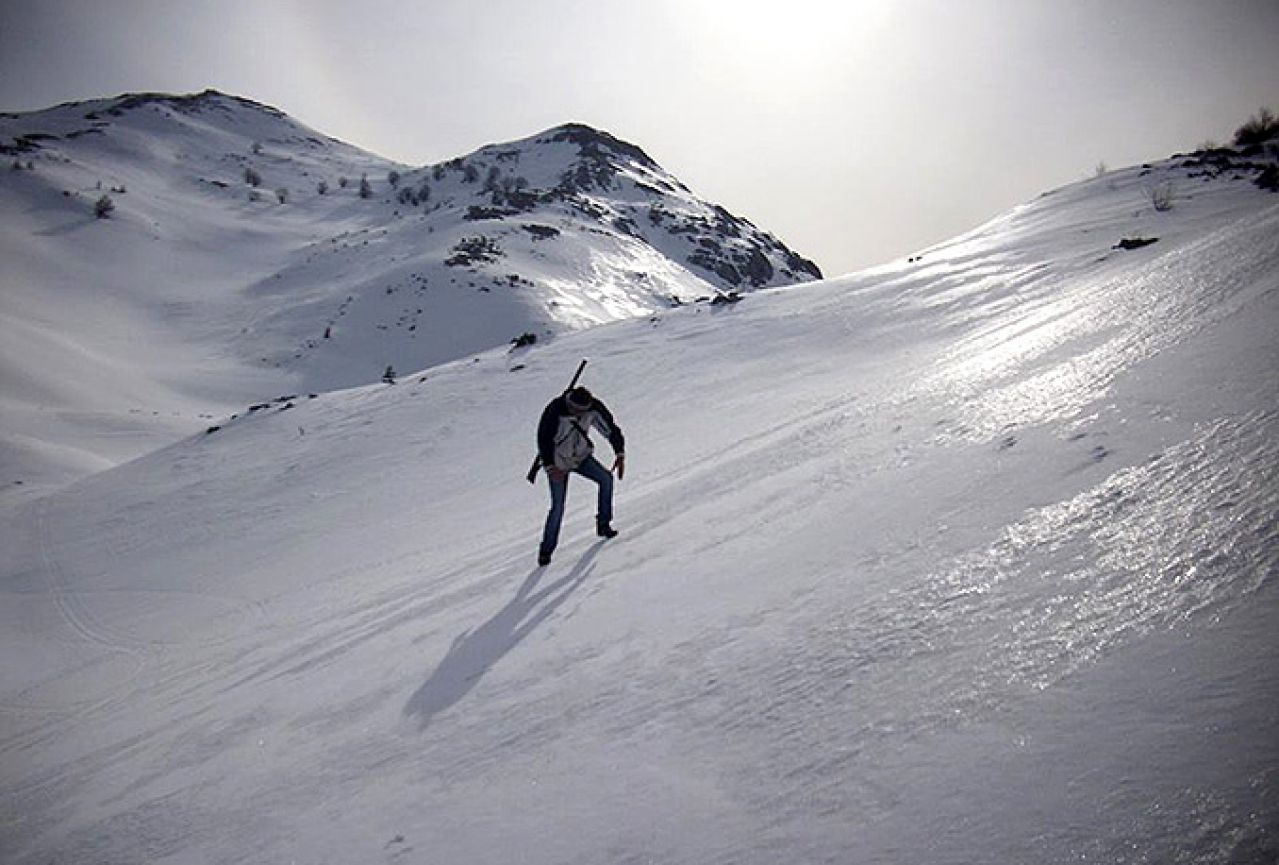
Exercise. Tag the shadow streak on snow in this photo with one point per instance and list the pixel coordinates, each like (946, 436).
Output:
(474, 653)
(71, 227)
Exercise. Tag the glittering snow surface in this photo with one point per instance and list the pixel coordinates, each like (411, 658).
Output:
(969, 558)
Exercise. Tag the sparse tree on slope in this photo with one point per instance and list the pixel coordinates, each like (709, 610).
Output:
(1260, 128)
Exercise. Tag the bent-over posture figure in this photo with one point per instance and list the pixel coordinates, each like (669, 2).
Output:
(564, 446)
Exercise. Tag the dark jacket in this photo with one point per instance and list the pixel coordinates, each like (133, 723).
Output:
(563, 438)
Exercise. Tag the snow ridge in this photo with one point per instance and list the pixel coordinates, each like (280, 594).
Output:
(243, 255)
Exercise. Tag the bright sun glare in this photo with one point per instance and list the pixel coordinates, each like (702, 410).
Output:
(788, 39)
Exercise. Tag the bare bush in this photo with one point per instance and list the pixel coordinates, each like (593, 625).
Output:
(1161, 197)
(1260, 128)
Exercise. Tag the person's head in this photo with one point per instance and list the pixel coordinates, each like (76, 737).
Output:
(579, 400)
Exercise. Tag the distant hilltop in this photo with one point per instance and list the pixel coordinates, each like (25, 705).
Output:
(230, 253)
(597, 177)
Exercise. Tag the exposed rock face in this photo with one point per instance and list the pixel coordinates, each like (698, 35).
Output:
(577, 172)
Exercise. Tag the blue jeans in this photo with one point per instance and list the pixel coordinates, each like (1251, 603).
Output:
(592, 470)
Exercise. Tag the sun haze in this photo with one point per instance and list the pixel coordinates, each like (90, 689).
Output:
(856, 131)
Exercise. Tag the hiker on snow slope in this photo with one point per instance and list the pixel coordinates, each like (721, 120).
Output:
(564, 446)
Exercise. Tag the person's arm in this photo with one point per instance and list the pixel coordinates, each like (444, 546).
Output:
(605, 423)
(546, 429)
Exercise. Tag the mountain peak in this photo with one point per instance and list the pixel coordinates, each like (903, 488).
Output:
(596, 144)
(187, 103)
(612, 188)
(306, 264)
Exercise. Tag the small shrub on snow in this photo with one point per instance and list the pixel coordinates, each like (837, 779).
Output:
(366, 188)
(252, 178)
(1161, 197)
(1260, 128)
(103, 207)
(470, 251)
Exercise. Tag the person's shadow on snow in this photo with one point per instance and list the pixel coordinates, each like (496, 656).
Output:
(474, 653)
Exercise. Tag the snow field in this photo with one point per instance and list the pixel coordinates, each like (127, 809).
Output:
(966, 561)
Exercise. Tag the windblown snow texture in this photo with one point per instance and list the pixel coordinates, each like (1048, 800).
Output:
(966, 558)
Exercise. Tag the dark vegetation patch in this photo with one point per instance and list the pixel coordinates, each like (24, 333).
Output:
(28, 143)
(1135, 242)
(475, 213)
(541, 232)
(1257, 130)
(470, 251)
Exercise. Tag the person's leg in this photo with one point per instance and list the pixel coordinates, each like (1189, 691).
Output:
(593, 470)
(551, 533)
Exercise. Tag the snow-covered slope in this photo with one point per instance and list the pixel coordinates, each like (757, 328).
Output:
(248, 256)
(969, 558)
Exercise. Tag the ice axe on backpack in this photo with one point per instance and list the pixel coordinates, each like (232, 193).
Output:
(537, 460)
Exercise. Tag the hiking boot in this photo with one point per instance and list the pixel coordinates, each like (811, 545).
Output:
(604, 530)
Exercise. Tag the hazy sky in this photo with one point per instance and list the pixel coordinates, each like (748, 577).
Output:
(856, 131)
